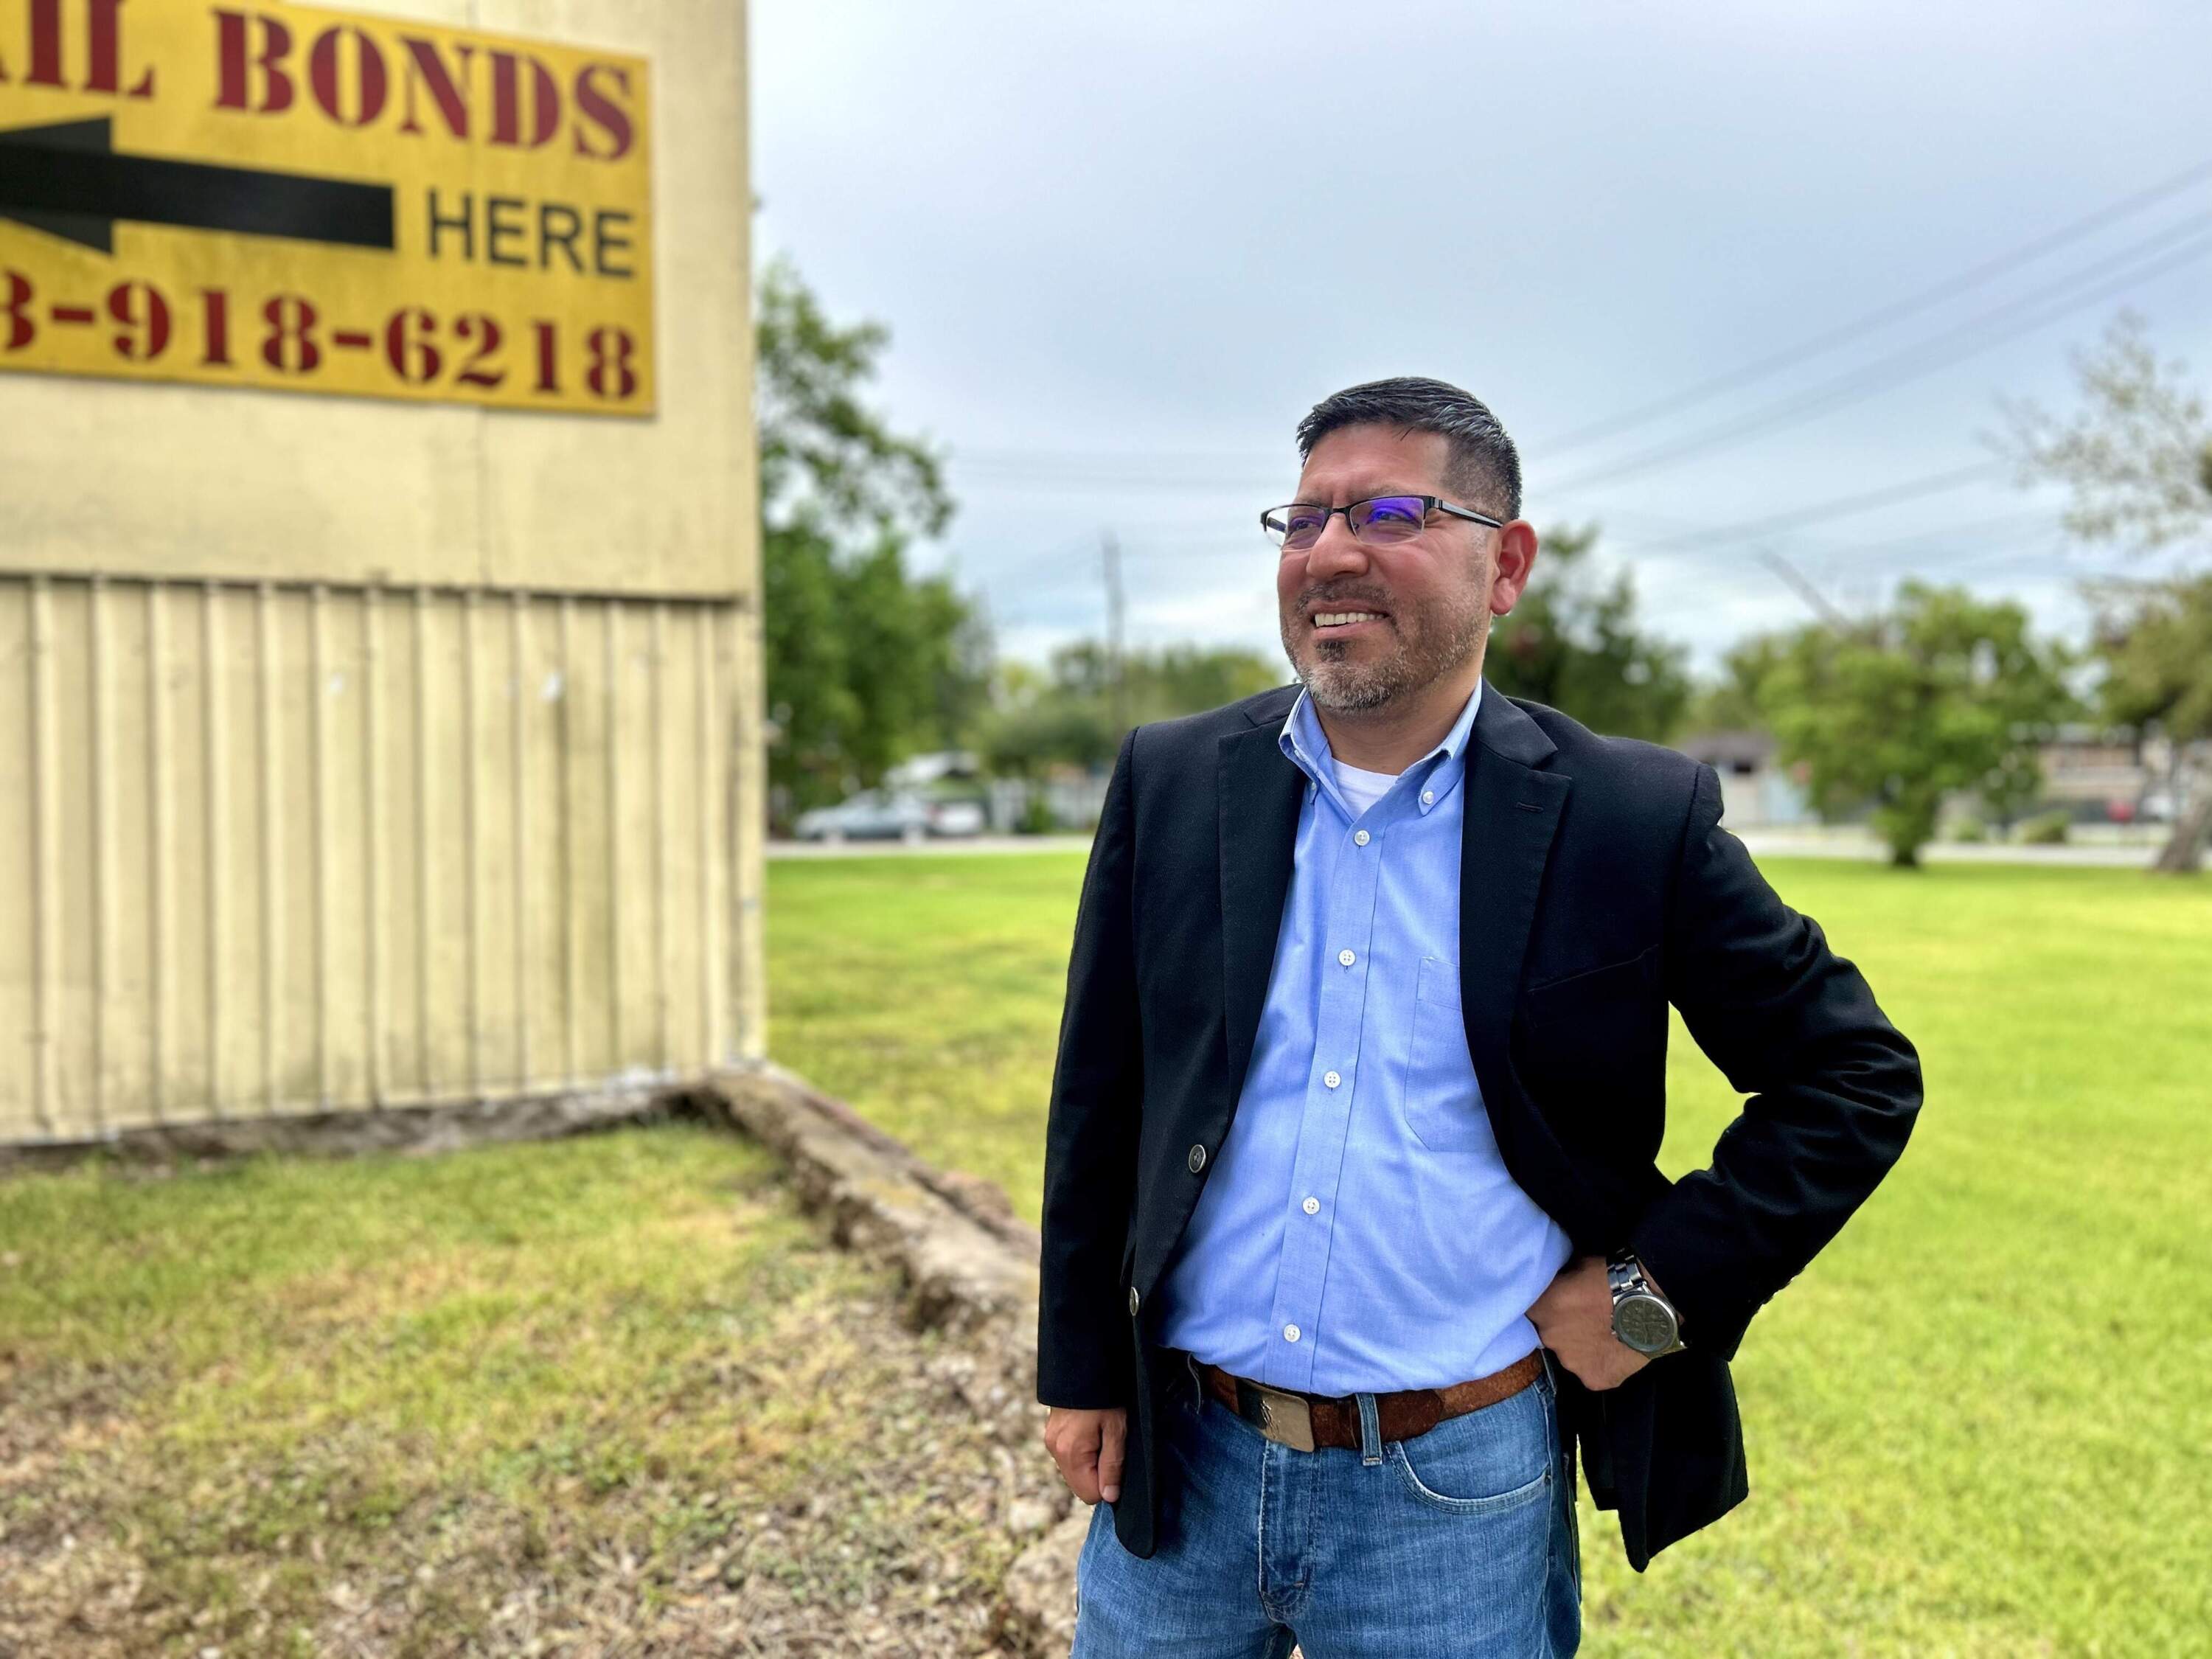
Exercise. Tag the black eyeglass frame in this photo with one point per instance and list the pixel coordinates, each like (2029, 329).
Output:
(1428, 504)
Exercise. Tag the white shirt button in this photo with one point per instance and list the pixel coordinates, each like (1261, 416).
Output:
(1346, 957)
(1359, 838)
(1428, 798)
(1311, 1207)
(1331, 1079)
(1290, 1332)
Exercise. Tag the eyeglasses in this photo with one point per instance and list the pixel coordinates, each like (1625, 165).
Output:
(1378, 520)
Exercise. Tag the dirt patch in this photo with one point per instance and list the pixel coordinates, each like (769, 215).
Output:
(816, 1474)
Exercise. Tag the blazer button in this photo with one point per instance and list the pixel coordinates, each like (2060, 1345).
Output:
(1197, 1159)
(1133, 1298)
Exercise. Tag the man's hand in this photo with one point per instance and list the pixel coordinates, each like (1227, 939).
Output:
(1087, 1446)
(1574, 1317)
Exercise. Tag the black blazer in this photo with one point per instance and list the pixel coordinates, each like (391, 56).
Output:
(1595, 888)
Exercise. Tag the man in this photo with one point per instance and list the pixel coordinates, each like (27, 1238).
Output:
(1353, 1233)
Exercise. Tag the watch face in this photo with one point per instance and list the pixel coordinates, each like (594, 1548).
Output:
(1644, 1324)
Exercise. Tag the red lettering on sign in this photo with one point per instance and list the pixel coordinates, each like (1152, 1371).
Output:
(613, 372)
(144, 313)
(348, 72)
(16, 313)
(106, 73)
(233, 60)
(289, 345)
(215, 328)
(45, 42)
(370, 84)
(103, 49)
(507, 114)
(424, 67)
(594, 105)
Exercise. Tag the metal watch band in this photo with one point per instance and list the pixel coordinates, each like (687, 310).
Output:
(1625, 1277)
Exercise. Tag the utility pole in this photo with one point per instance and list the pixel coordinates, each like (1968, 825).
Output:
(1110, 548)
(1805, 590)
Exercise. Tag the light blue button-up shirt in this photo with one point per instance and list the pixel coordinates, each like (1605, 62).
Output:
(1359, 1232)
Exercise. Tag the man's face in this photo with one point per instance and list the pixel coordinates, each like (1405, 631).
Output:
(1422, 604)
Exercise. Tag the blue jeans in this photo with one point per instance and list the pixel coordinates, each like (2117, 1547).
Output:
(1457, 1542)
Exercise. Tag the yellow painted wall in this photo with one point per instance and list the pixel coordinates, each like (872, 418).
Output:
(177, 480)
(358, 752)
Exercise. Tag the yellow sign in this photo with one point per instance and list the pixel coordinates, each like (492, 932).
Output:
(266, 196)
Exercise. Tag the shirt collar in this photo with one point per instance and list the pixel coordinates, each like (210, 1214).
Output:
(1306, 745)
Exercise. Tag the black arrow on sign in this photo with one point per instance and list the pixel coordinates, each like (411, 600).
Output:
(67, 180)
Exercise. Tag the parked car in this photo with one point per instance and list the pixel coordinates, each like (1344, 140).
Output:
(884, 815)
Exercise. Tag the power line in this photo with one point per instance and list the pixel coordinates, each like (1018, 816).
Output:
(1865, 501)
(1921, 359)
(1965, 281)
(1964, 340)
(2155, 255)
(1083, 466)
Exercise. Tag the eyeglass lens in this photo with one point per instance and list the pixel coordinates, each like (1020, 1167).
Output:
(1382, 520)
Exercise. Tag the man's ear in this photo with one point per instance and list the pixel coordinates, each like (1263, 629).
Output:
(1516, 561)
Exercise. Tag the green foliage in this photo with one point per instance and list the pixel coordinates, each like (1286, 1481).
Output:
(867, 662)
(1736, 702)
(1075, 713)
(2155, 642)
(2046, 830)
(2137, 457)
(1572, 643)
(1948, 693)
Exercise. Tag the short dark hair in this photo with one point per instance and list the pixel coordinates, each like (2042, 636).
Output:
(1483, 464)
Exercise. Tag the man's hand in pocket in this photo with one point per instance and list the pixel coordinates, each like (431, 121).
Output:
(1087, 1445)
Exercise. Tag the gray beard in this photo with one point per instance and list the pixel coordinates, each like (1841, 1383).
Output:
(1345, 687)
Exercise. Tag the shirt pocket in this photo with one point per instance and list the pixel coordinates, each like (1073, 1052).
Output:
(1441, 1106)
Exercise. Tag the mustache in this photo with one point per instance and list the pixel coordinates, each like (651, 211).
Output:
(1342, 598)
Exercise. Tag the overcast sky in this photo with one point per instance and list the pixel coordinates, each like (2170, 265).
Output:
(1123, 248)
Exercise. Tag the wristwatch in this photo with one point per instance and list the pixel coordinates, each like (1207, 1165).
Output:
(1642, 1318)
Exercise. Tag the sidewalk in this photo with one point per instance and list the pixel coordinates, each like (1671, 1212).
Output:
(1838, 843)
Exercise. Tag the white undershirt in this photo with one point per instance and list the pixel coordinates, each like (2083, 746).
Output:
(1362, 789)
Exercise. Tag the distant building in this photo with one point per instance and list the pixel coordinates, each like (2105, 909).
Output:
(1756, 792)
(2094, 774)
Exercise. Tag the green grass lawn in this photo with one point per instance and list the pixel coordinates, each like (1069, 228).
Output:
(606, 1395)
(1980, 1424)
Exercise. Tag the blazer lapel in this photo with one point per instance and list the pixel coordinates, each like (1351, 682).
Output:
(1259, 795)
(1505, 840)
(1512, 818)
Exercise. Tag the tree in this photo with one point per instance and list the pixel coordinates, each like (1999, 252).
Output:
(2138, 456)
(867, 662)
(1945, 693)
(1573, 643)
(1736, 701)
(1065, 715)
(2155, 641)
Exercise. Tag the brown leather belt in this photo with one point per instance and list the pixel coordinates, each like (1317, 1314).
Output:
(1307, 1421)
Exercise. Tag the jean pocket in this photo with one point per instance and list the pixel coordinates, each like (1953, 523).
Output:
(1489, 1461)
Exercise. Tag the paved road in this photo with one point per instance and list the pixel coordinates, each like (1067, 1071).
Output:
(1763, 843)
(1770, 844)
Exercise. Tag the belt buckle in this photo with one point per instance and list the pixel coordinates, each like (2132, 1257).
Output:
(1285, 1418)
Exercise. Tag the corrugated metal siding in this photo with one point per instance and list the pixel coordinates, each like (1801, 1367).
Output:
(286, 847)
